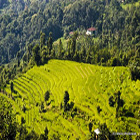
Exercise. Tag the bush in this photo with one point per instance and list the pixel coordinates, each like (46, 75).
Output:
(71, 105)
(129, 114)
(47, 96)
(111, 101)
(90, 126)
(42, 106)
(66, 99)
(22, 120)
(24, 108)
(99, 109)
(32, 136)
(135, 71)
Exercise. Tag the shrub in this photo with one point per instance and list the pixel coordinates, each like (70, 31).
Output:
(22, 120)
(111, 101)
(66, 99)
(71, 105)
(47, 96)
(90, 126)
(135, 71)
(99, 109)
(42, 106)
(24, 108)
(32, 136)
(12, 87)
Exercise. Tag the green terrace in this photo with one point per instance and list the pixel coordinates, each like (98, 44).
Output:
(89, 88)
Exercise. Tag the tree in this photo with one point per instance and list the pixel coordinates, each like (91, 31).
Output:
(52, 53)
(24, 108)
(42, 39)
(68, 55)
(36, 54)
(41, 137)
(83, 53)
(18, 57)
(3, 3)
(99, 109)
(42, 106)
(111, 101)
(22, 132)
(118, 101)
(32, 136)
(22, 120)
(105, 134)
(66, 99)
(12, 87)
(46, 133)
(8, 124)
(50, 42)
(44, 56)
(135, 71)
(115, 62)
(60, 48)
(90, 126)
(73, 44)
(47, 96)
(76, 56)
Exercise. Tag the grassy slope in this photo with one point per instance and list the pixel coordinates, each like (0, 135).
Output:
(88, 86)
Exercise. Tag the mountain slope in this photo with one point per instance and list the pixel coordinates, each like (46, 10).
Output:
(22, 21)
(90, 91)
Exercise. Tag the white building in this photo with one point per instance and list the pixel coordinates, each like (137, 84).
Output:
(91, 31)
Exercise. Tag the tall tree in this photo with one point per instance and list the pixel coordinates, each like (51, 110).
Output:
(66, 99)
(47, 96)
(12, 87)
(36, 54)
(42, 39)
(50, 42)
(60, 48)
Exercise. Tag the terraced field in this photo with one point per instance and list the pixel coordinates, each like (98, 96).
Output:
(88, 86)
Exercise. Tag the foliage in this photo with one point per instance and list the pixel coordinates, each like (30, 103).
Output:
(111, 101)
(27, 22)
(8, 125)
(135, 71)
(87, 87)
(105, 134)
(36, 54)
(47, 96)
(66, 99)
(27, 32)
(12, 87)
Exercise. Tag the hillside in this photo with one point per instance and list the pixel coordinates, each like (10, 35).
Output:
(22, 21)
(90, 89)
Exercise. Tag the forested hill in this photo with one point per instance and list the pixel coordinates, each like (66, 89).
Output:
(21, 22)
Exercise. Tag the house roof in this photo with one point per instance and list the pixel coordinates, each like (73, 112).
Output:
(97, 131)
(91, 29)
(71, 33)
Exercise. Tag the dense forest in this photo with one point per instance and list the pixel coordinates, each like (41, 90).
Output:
(22, 21)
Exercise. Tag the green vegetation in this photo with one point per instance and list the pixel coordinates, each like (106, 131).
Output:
(44, 94)
(22, 21)
(7, 120)
(85, 91)
(130, 5)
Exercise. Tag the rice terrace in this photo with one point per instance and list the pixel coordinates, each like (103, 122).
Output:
(89, 88)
